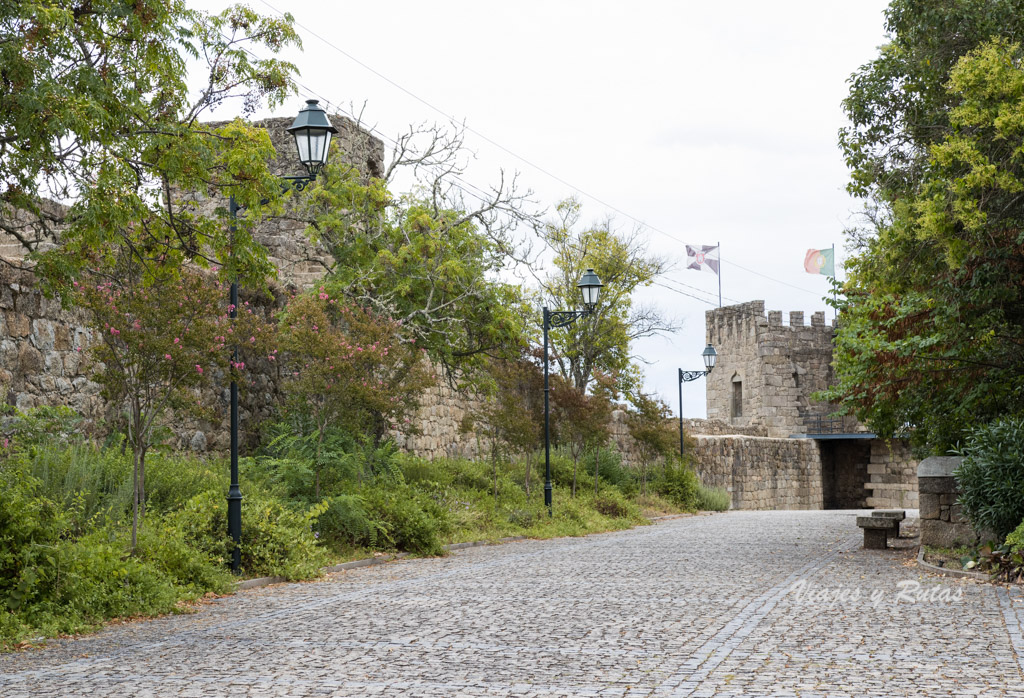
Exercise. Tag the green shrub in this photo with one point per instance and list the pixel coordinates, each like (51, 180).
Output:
(98, 480)
(713, 499)
(412, 521)
(417, 471)
(102, 477)
(572, 510)
(1016, 539)
(74, 584)
(174, 478)
(193, 571)
(347, 523)
(991, 477)
(613, 504)
(94, 579)
(679, 484)
(613, 472)
(523, 518)
(30, 526)
(471, 475)
(54, 579)
(276, 540)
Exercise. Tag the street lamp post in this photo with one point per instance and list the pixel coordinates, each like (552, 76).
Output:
(710, 356)
(590, 286)
(312, 131)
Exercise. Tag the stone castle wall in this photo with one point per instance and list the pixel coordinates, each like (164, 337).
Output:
(761, 472)
(440, 425)
(42, 349)
(893, 476)
(716, 427)
(44, 361)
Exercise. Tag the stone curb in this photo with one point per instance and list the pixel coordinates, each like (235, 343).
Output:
(367, 562)
(477, 543)
(935, 569)
(669, 517)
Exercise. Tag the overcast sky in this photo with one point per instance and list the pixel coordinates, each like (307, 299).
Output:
(706, 122)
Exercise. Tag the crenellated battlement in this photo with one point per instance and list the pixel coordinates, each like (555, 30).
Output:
(768, 370)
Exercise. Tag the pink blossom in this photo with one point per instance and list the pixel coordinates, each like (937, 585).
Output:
(199, 368)
(167, 356)
(177, 340)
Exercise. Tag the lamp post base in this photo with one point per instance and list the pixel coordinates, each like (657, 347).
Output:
(235, 526)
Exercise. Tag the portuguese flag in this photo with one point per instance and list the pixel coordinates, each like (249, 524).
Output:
(821, 262)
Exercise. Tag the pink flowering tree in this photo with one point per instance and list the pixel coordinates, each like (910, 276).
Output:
(347, 368)
(161, 341)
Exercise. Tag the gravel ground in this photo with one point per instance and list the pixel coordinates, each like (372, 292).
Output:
(743, 603)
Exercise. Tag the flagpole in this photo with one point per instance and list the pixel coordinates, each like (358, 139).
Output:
(720, 273)
(835, 310)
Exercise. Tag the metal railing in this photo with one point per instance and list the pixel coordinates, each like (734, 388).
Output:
(828, 424)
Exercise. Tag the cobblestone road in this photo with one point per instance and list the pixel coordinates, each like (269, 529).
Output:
(744, 603)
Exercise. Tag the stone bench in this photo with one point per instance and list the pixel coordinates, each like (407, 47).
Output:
(877, 530)
(897, 515)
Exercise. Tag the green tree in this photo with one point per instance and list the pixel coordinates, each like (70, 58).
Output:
(599, 342)
(932, 333)
(429, 259)
(95, 113)
(899, 105)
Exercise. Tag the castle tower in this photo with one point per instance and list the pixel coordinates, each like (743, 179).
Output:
(768, 371)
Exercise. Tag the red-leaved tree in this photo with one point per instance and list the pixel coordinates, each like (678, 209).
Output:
(347, 368)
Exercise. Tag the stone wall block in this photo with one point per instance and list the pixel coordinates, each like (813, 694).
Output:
(18, 325)
(936, 485)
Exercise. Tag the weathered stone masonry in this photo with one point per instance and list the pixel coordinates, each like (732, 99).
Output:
(761, 472)
(42, 349)
(766, 375)
(767, 371)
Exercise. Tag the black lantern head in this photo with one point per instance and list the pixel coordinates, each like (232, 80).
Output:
(710, 356)
(312, 131)
(590, 287)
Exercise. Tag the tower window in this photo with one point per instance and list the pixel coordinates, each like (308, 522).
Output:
(737, 398)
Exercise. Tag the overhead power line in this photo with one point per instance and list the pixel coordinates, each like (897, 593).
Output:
(514, 154)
